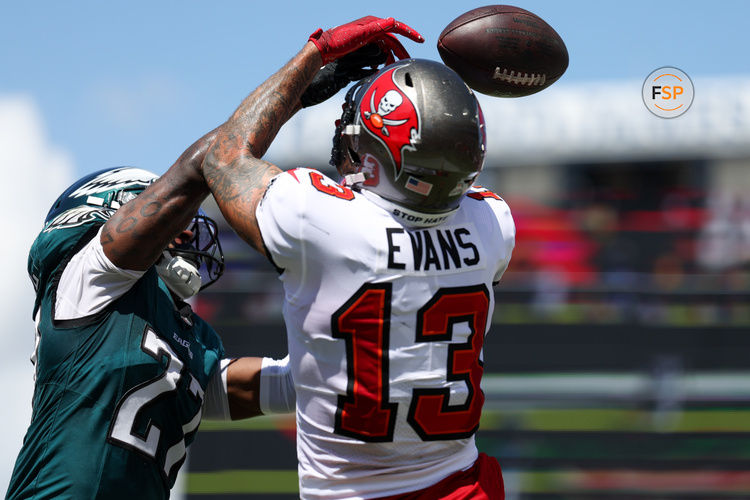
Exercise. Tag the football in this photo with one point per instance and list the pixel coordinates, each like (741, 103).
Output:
(503, 51)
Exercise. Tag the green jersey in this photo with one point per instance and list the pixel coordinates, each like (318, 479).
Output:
(118, 394)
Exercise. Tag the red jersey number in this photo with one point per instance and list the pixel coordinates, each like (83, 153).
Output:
(481, 193)
(364, 413)
(324, 185)
(364, 323)
(430, 413)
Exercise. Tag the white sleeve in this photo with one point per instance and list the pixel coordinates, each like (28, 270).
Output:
(508, 234)
(277, 394)
(280, 221)
(90, 282)
(216, 400)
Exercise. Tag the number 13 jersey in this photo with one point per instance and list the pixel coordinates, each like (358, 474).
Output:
(386, 321)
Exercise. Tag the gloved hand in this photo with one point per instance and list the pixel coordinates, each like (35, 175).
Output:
(337, 74)
(341, 40)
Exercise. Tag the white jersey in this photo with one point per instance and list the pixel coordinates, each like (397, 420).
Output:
(386, 324)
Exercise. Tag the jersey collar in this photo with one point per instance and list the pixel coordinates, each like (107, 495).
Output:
(407, 216)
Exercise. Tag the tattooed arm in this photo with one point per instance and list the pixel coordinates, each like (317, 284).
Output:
(135, 236)
(232, 168)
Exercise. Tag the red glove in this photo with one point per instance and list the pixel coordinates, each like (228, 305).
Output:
(341, 40)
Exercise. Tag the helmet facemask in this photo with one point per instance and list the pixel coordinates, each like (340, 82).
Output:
(343, 155)
(194, 260)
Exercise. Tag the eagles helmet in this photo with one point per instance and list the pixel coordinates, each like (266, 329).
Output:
(413, 134)
(97, 196)
(186, 267)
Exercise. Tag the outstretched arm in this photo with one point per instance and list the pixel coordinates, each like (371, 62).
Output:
(135, 236)
(233, 169)
(250, 386)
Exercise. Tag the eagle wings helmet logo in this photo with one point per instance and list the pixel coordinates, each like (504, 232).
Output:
(388, 114)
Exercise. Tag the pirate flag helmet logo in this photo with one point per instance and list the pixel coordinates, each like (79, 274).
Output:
(388, 114)
(413, 134)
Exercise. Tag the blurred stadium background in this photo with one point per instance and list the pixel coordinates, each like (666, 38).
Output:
(618, 361)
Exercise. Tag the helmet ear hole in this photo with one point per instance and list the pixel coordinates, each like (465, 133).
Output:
(354, 157)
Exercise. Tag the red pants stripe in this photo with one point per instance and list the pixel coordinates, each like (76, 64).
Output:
(481, 481)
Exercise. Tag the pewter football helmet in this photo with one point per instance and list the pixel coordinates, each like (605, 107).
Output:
(416, 132)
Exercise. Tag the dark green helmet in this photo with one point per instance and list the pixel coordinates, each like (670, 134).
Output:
(95, 197)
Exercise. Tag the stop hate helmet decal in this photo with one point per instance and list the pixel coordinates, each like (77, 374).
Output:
(389, 115)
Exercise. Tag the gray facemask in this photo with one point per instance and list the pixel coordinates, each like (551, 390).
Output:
(180, 275)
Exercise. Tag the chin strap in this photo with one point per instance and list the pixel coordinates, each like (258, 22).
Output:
(180, 275)
(352, 179)
(407, 216)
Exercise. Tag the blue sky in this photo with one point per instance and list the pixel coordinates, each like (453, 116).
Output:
(86, 85)
(136, 82)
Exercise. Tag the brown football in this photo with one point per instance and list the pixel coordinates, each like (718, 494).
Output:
(503, 51)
